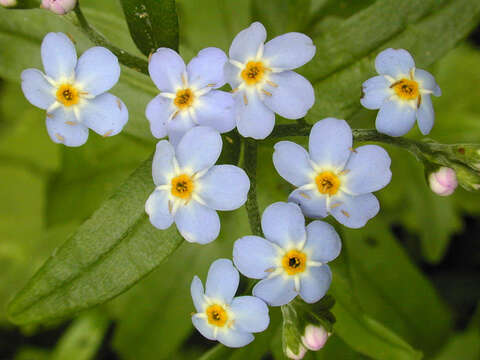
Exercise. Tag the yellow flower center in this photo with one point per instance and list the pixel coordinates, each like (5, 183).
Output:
(406, 89)
(216, 315)
(182, 186)
(253, 72)
(184, 99)
(294, 262)
(67, 95)
(327, 183)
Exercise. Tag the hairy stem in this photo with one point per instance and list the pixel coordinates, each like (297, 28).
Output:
(124, 57)
(250, 166)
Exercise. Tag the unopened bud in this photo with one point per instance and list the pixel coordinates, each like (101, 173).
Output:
(8, 3)
(443, 182)
(315, 337)
(301, 353)
(467, 178)
(59, 7)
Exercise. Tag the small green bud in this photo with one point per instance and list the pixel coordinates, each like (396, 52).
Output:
(467, 178)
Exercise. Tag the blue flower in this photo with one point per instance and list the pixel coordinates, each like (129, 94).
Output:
(262, 81)
(221, 316)
(333, 178)
(292, 259)
(189, 188)
(401, 92)
(74, 93)
(187, 96)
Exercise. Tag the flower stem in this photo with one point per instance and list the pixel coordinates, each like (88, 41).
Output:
(124, 57)
(250, 166)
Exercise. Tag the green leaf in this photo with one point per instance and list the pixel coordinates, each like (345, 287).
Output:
(361, 332)
(82, 338)
(281, 16)
(152, 24)
(109, 253)
(391, 289)
(344, 60)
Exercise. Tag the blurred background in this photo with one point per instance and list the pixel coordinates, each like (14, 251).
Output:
(415, 268)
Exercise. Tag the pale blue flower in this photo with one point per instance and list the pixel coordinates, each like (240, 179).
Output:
(401, 92)
(221, 316)
(333, 178)
(262, 81)
(188, 97)
(292, 258)
(74, 93)
(190, 187)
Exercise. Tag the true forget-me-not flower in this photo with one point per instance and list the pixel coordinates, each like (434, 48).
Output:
(401, 92)
(292, 258)
(190, 187)
(188, 94)
(262, 81)
(333, 178)
(74, 93)
(221, 316)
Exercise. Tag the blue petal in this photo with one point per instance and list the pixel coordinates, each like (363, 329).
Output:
(251, 314)
(314, 285)
(289, 51)
(97, 71)
(38, 91)
(291, 97)
(284, 224)
(178, 126)
(426, 115)
(254, 118)
(369, 170)
(330, 142)
(276, 291)
(206, 69)
(247, 42)
(196, 290)
(64, 129)
(59, 56)
(394, 62)
(216, 109)
(375, 91)
(163, 165)
(105, 114)
(158, 113)
(224, 187)
(199, 148)
(427, 81)
(311, 203)
(354, 211)
(234, 339)
(197, 223)
(323, 243)
(254, 256)
(232, 75)
(158, 210)
(222, 281)
(166, 68)
(395, 117)
(292, 162)
(202, 325)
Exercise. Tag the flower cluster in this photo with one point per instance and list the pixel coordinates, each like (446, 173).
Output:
(331, 178)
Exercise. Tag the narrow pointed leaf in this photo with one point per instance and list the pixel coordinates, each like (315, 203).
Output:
(152, 24)
(109, 253)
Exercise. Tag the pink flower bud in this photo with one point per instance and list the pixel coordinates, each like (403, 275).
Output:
(59, 7)
(315, 337)
(443, 182)
(301, 353)
(8, 3)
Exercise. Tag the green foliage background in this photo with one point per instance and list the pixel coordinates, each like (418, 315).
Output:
(386, 307)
